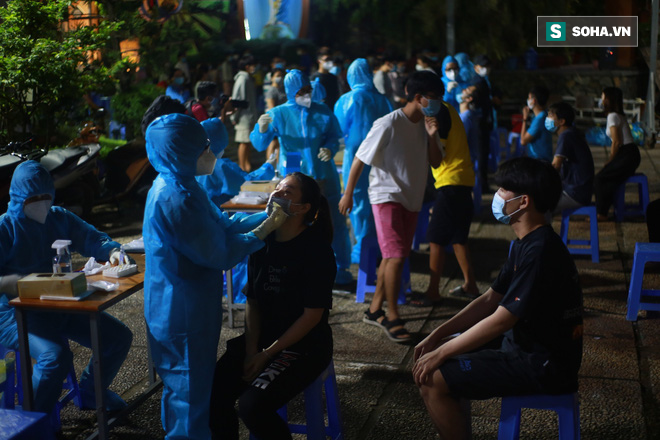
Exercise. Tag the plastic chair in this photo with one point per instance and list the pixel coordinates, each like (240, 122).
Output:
(315, 428)
(644, 253)
(24, 425)
(566, 406)
(622, 210)
(366, 282)
(422, 225)
(593, 242)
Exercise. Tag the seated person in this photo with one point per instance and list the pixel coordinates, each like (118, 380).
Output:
(287, 342)
(531, 317)
(535, 137)
(572, 158)
(27, 231)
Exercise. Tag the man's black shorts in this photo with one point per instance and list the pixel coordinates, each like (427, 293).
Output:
(452, 215)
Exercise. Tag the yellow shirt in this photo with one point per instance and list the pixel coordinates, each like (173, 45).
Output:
(456, 167)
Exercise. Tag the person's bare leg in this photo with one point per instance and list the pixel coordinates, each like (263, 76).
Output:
(379, 293)
(436, 265)
(447, 413)
(462, 253)
(244, 157)
(393, 286)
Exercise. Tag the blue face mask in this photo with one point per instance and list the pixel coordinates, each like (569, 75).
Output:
(432, 108)
(459, 98)
(279, 65)
(178, 81)
(498, 209)
(550, 125)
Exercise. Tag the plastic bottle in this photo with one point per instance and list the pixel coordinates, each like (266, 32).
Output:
(62, 261)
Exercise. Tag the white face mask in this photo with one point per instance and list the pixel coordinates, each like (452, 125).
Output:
(205, 163)
(327, 65)
(219, 155)
(530, 104)
(451, 74)
(482, 71)
(38, 211)
(304, 100)
(418, 67)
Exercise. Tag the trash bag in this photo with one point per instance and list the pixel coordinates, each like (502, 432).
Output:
(637, 133)
(596, 136)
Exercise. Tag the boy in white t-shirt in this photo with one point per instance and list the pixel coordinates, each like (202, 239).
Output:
(399, 147)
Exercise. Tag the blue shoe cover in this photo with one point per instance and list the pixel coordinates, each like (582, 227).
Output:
(112, 401)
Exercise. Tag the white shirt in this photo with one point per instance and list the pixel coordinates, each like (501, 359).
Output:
(397, 151)
(615, 119)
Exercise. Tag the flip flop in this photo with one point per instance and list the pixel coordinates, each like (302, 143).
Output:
(460, 292)
(424, 301)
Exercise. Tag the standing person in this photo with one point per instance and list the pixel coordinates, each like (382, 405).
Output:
(311, 130)
(287, 342)
(399, 147)
(398, 76)
(453, 209)
(524, 335)
(177, 88)
(330, 82)
(207, 101)
(624, 155)
(535, 136)
(27, 231)
(244, 119)
(466, 70)
(382, 79)
(451, 78)
(572, 158)
(356, 112)
(484, 105)
(187, 247)
(276, 94)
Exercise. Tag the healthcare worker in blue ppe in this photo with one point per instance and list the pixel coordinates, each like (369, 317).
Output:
(223, 184)
(311, 130)
(465, 67)
(356, 112)
(318, 91)
(451, 78)
(27, 231)
(188, 243)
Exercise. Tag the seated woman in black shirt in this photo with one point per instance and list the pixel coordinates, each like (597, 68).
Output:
(287, 342)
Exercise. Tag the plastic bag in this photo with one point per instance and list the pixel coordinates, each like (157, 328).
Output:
(596, 136)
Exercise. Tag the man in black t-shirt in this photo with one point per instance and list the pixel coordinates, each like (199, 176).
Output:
(524, 335)
(329, 81)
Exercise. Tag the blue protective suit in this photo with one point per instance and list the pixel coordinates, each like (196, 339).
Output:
(223, 184)
(356, 112)
(318, 91)
(188, 243)
(465, 67)
(305, 131)
(25, 247)
(450, 96)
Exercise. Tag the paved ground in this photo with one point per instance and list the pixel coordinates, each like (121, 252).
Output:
(619, 379)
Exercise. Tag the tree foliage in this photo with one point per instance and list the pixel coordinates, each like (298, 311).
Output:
(43, 70)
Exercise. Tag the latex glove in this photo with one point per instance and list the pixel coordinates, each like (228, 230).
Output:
(325, 154)
(451, 85)
(272, 160)
(118, 257)
(264, 121)
(9, 284)
(274, 221)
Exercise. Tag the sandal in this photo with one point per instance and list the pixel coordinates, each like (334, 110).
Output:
(373, 318)
(399, 335)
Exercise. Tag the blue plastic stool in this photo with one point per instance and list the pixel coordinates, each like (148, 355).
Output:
(24, 425)
(622, 210)
(644, 253)
(315, 428)
(593, 242)
(422, 225)
(366, 281)
(566, 406)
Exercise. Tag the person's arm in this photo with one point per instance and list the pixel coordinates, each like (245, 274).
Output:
(435, 147)
(346, 202)
(270, 103)
(557, 161)
(525, 137)
(617, 140)
(477, 310)
(484, 331)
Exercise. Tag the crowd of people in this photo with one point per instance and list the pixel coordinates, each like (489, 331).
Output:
(400, 130)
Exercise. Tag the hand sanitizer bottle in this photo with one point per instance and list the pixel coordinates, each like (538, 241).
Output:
(62, 261)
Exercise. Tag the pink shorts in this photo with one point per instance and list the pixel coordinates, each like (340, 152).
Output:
(395, 228)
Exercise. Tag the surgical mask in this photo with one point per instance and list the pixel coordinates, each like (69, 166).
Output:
(38, 210)
(600, 103)
(550, 125)
(178, 81)
(459, 98)
(205, 163)
(482, 71)
(451, 74)
(279, 65)
(335, 70)
(304, 100)
(284, 203)
(277, 80)
(498, 209)
(327, 65)
(418, 67)
(530, 103)
(432, 108)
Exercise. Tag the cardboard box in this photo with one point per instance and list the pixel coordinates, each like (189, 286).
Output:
(52, 284)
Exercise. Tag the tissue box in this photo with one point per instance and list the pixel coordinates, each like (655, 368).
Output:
(263, 186)
(52, 284)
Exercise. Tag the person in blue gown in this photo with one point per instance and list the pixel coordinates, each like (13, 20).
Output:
(356, 112)
(188, 243)
(311, 130)
(27, 231)
(451, 78)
